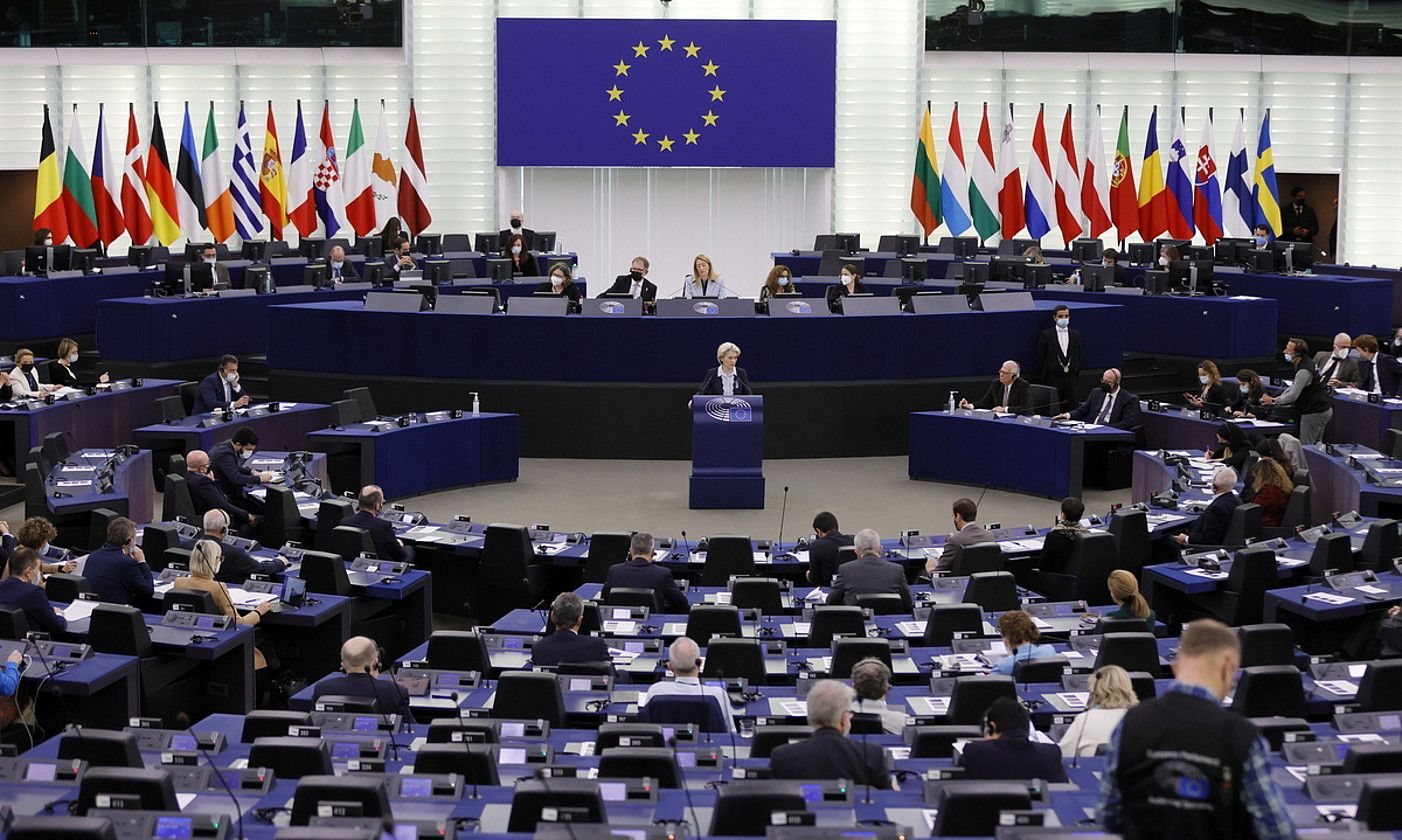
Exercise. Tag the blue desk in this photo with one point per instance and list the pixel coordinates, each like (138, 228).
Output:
(1176, 427)
(285, 430)
(37, 307)
(132, 494)
(1318, 304)
(1202, 327)
(102, 690)
(104, 420)
(1319, 625)
(1012, 453)
(423, 457)
(1358, 421)
(1339, 486)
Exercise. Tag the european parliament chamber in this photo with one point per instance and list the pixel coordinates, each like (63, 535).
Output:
(254, 400)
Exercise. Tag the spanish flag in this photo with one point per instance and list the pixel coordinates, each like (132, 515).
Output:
(272, 188)
(160, 186)
(925, 184)
(48, 192)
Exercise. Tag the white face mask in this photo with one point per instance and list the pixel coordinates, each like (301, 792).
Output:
(1163, 261)
(557, 280)
(72, 358)
(1341, 354)
(1202, 379)
(231, 378)
(515, 249)
(337, 265)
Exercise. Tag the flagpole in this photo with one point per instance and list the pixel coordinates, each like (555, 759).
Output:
(928, 109)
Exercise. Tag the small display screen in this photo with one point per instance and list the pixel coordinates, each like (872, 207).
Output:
(406, 831)
(513, 643)
(40, 772)
(635, 647)
(416, 788)
(812, 794)
(1386, 722)
(345, 749)
(579, 684)
(183, 742)
(614, 791)
(173, 827)
(686, 759)
(365, 724)
(623, 614)
(513, 730)
(450, 680)
(512, 755)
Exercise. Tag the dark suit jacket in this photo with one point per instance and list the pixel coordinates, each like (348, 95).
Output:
(1290, 220)
(826, 754)
(61, 374)
(348, 272)
(972, 534)
(526, 234)
(570, 291)
(117, 578)
(35, 605)
(1211, 526)
(387, 545)
(220, 273)
(839, 290)
(1389, 373)
(711, 385)
(390, 697)
(527, 268)
(1050, 358)
(644, 574)
(1124, 415)
(207, 495)
(566, 646)
(869, 574)
(1346, 370)
(1013, 756)
(237, 565)
(229, 471)
(1017, 397)
(211, 394)
(623, 284)
(822, 557)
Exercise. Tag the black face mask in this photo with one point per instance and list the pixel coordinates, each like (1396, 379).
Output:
(1299, 202)
(635, 274)
(516, 223)
(1107, 387)
(27, 367)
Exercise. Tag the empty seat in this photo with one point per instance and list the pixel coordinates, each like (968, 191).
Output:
(529, 696)
(727, 557)
(629, 735)
(947, 619)
(1130, 651)
(973, 695)
(973, 808)
(1381, 686)
(632, 596)
(458, 650)
(606, 548)
(1040, 669)
(768, 738)
(979, 557)
(1380, 803)
(1269, 690)
(1131, 530)
(992, 591)
(532, 797)
(476, 763)
(744, 809)
(884, 603)
(291, 758)
(1332, 554)
(834, 621)
(1266, 644)
(736, 658)
(705, 621)
(270, 723)
(657, 763)
(1373, 758)
(762, 593)
(1380, 546)
(938, 741)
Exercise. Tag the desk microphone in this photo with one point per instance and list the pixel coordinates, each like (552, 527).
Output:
(686, 546)
(778, 550)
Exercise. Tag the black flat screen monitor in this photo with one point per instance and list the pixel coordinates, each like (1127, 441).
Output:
(848, 243)
(1096, 277)
(1087, 250)
(1142, 253)
(201, 278)
(1036, 276)
(316, 275)
(959, 246)
(254, 250)
(1157, 282)
(499, 270)
(977, 272)
(429, 243)
(486, 243)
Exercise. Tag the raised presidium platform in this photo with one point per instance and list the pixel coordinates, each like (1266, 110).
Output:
(727, 452)
(572, 372)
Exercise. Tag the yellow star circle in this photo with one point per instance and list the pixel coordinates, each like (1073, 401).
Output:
(640, 50)
(640, 137)
(710, 67)
(621, 118)
(667, 42)
(691, 136)
(692, 51)
(615, 94)
(621, 69)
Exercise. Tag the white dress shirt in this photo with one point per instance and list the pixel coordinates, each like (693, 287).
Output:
(727, 382)
(1063, 338)
(691, 686)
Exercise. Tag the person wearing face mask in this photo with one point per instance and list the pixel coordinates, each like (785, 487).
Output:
(341, 270)
(1059, 356)
(560, 283)
(522, 261)
(1299, 219)
(221, 389)
(27, 379)
(779, 282)
(1060, 540)
(516, 227)
(1261, 237)
(1168, 255)
(635, 283)
(210, 256)
(22, 589)
(37, 533)
(849, 283)
(117, 572)
(1337, 366)
(1210, 393)
(209, 497)
(1108, 405)
(62, 370)
(400, 259)
(206, 563)
(1307, 393)
(229, 461)
(1379, 373)
(390, 235)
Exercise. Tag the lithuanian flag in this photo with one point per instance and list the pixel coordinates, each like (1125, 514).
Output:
(925, 186)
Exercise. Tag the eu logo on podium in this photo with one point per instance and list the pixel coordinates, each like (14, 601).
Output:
(729, 409)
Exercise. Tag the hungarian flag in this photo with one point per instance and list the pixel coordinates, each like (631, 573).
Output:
(983, 183)
(48, 188)
(1095, 189)
(1010, 194)
(301, 200)
(189, 190)
(110, 224)
(272, 188)
(219, 198)
(413, 179)
(383, 179)
(136, 210)
(925, 184)
(1153, 200)
(78, 205)
(330, 197)
(1124, 203)
(160, 185)
(1068, 183)
(360, 204)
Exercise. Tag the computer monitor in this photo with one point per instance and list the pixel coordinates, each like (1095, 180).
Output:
(1036, 276)
(1300, 255)
(545, 241)
(1180, 244)
(370, 247)
(316, 275)
(1181, 273)
(848, 243)
(1142, 253)
(1094, 278)
(41, 259)
(959, 246)
(139, 256)
(1018, 247)
(499, 269)
(254, 250)
(912, 270)
(1229, 251)
(259, 279)
(188, 278)
(977, 272)
(83, 259)
(486, 243)
(1087, 250)
(430, 244)
(1258, 261)
(1007, 269)
(971, 290)
(438, 272)
(312, 249)
(1157, 283)
(900, 245)
(373, 272)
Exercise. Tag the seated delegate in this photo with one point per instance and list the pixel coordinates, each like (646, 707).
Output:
(61, 369)
(361, 666)
(1211, 395)
(566, 644)
(829, 753)
(1020, 636)
(1007, 393)
(1210, 528)
(207, 494)
(1007, 750)
(117, 572)
(1108, 405)
(1231, 446)
(206, 560)
(635, 283)
(560, 283)
(849, 283)
(26, 379)
(778, 282)
(523, 263)
(221, 389)
(703, 281)
(387, 545)
(1061, 539)
(23, 589)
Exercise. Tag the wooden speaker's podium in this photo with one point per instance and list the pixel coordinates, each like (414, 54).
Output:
(727, 452)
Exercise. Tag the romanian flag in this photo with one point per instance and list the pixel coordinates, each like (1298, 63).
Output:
(1153, 200)
(160, 186)
(1263, 190)
(272, 188)
(925, 186)
(48, 189)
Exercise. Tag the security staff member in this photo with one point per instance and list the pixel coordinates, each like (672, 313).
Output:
(1059, 356)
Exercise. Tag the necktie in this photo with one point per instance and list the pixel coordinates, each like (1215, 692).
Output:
(1104, 415)
(1329, 371)
(637, 288)
(1377, 386)
(33, 382)
(1006, 389)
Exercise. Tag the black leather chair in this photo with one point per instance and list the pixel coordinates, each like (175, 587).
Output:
(167, 682)
(65, 588)
(979, 557)
(329, 514)
(1131, 530)
(992, 591)
(282, 521)
(476, 763)
(271, 723)
(738, 658)
(192, 600)
(762, 593)
(1380, 803)
(744, 810)
(363, 400)
(508, 576)
(633, 596)
(325, 573)
(884, 603)
(531, 798)
(156, 537)
(1241, 597)
(348, 542)
(606, 549)
(769, 738)
(291, 758)
(176, 504)
(1333, 553)
(13, 624)
(1043, 669)
(937, 741)
(1373, 758)
(973, 808)
(1130, 651)
(1380, 546)
(188, 392)
(154, 789)
(848, 652)
(1269, 690)
(36, 497)
(947, 619)
(1094, 555)
(100, 747)
(1381, 686)
(707, 620)
(176, 464)
(1266, 644)
(458, 650)
(97, 527)
(657, 763)
(525, 695)
(833, 621)
(727, 557)
(1245, 525)
(612, 735)
(973, 695)
(172, 408)
(1297, 514)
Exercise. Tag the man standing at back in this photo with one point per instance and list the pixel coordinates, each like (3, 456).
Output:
(869, 574)
(639, 572)
(1182, 766)
(1059, 357)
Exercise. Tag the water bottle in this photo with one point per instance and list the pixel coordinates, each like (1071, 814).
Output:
(476, 405)
(952, 402)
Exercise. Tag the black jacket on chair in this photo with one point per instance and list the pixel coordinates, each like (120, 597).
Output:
(1123, 415)
(823, 557)
(712, 386)
(827, 754)
(382, 534)
(1211, 526)
(567, 646)
(644, 574)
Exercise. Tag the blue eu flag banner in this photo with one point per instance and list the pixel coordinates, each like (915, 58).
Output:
(592, 92)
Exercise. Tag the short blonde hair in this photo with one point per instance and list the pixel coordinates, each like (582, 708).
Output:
(65, 347)
(727, 347)
(1111, 688)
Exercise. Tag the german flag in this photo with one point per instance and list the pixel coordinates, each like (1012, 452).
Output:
(48, 191)
(160, 186)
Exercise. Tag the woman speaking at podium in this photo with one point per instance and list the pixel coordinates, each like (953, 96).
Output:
(726, 380)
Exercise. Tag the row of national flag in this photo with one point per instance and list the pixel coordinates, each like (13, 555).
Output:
(85, 200)
(1082, 196)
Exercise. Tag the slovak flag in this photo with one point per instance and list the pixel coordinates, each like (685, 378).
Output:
(1207, 193)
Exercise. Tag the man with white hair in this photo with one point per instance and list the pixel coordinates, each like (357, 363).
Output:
(1006, 393)
(869, 574)
(1338, 364)
(1212, 524)
(828, 753)
(684, 661)
(238, 564)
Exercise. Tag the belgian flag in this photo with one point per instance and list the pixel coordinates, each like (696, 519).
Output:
(48, 191)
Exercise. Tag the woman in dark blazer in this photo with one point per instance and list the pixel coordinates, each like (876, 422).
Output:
(522, 261)
(1231, 447)
(61, 370)
(851, 285)
(560, 283)
(726, 375)
(1056, 548)
(1212, 396)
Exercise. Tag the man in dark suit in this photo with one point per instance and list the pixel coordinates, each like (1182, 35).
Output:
(23, 590)
(1212, 524)
(518, 220)
(387, 545)
(221, 389)
(117, 572)
(639, 572)
(1337, 366)
(360, 660)
(342, 271)
(1007, 393)
(967, 531)
(400, 259)
(238, 565)
(227, 460)
(1108, 405)
(210, 255)
(1059, 356)
(1378, 372)
(869, 574)
(823, 552)
(829, 753)
(207, 495)
(1298, 218)
(635, 282)
(1007, 752)
(565, 645)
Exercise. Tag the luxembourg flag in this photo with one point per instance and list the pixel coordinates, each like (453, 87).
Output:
(1040, 201)
(1068, 183)
(1180, 183)
(1207, 194)
(954, 181)
(1237, 212)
